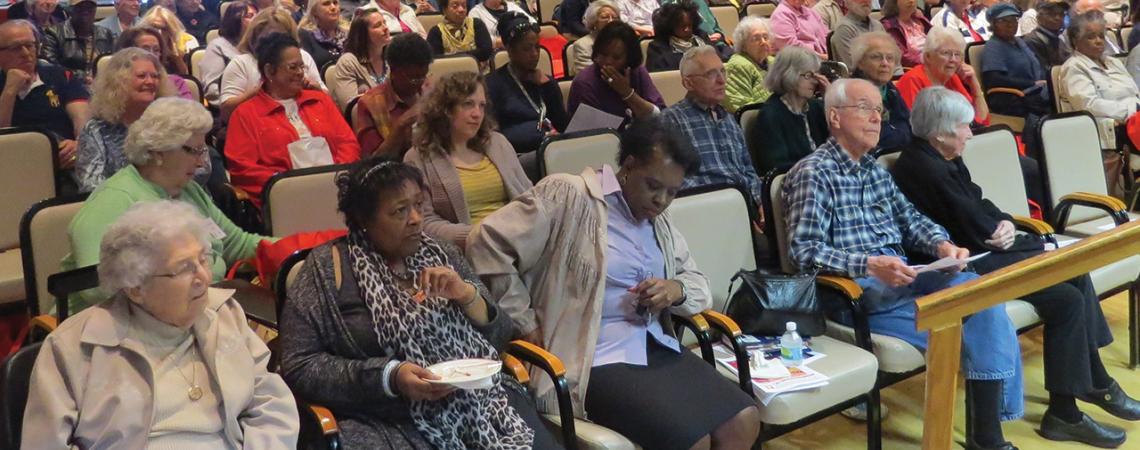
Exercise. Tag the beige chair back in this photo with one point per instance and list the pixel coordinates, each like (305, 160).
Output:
(45, 242)
(888, 160)
(451, 64)
(574, 152)
(1124, 33)
(1060, 92)
(429, 21)
(974, 57)
(1071, 160)
(27, 168)
(877, 16)
(195, 88)
(104, 11)
(564, 86)
(668, 83)
(222, 9)
(727, 17)
(777, 219)
(302, 200)
(101, 62)
(546, 10)
(764, 10)
(749, 117)
(327, 73)
(645, 50)
(211, 35)
(196, 57)
(934, 11)
(545, 62)
(568, 56)
(989, 155)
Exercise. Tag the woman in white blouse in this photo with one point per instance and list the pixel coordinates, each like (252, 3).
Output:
(489, 12)
(401, 18)
(222, 49)
(1095, 83)
(242, 79)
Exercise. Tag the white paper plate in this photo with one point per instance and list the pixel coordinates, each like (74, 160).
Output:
(466, 373)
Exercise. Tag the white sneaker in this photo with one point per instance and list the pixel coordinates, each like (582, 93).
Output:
(859, 412)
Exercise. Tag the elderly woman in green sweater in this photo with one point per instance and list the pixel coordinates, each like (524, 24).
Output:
(748, 65)
(165, 146)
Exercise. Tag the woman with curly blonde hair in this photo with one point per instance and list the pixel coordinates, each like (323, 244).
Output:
(172, 29)
(132, 80)
(470, 170)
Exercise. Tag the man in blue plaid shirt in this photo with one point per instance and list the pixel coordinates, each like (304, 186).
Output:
(846, 216)
(714, 133)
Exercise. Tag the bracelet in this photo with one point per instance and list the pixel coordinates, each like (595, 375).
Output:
(474, 297)
(631, 92)
(684, 294)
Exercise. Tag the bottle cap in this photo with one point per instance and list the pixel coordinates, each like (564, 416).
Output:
(791, 326)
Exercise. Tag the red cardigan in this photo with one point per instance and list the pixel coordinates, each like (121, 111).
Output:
(257, 141)
(915, 80)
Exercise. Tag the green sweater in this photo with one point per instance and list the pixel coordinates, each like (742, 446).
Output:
(745, 82)
(125, 188)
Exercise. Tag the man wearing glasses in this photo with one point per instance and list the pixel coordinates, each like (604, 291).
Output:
(39, 93)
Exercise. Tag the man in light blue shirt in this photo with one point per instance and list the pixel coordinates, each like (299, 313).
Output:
(126, 15)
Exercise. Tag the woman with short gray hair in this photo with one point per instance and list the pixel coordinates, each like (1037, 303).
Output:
(943, 64)
(131, 80)
(1095, 83)
(749, 64)
(935, 179)
(792, 122)
(876, 59)
(165, 146)
(599, 14)
(164, 330)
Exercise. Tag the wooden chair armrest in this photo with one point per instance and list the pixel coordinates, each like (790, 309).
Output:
(700, 328)
(553, 367)
(1002, 90)
(1107, 202)
(1031, 225)
(240, 193)
(722, 322)
(731, 329)
(513, 367)
(1113, 206)
(325, 419)
(846, 286)
(44, 322)
(695, 322)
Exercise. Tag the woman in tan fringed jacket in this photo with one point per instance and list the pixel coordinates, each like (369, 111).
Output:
(470, 170)
(591, 268)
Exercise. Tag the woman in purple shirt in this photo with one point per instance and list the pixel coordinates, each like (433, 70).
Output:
(616, 82)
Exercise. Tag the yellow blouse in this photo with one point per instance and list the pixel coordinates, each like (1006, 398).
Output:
(482, 188)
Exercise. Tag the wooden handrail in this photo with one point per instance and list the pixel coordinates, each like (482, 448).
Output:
(941, 313)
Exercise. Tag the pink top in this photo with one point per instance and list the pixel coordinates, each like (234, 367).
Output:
(799, 27)
(915, 40)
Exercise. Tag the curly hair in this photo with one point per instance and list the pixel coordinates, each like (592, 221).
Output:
(171, 62)
(360, 187)
(112, 84)
(264, 19)
(668, 18)
(433, 130)
(165, 126)
(132, 249)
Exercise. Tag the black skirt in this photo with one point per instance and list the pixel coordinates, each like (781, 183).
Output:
(671, 403)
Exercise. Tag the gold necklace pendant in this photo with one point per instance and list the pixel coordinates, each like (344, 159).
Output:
(194, 392)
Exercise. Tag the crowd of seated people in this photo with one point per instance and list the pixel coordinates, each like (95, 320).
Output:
(443, 199)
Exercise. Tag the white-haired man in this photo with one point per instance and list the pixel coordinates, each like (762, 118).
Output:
(126, 15)
(846, 216)
(714, 133)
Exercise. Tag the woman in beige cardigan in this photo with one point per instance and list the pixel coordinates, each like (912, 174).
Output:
(470, 170)
(591, 268)
(167, 362)
(362, 65)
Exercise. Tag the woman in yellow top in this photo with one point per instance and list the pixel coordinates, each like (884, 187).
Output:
(470, 170)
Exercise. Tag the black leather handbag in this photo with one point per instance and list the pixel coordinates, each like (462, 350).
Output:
(766, 302)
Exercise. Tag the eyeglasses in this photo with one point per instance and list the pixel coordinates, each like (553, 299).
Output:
(295, 67)
(196, 152)
(865, 109)
(22, 46)
(807, 76)
(949, 54)
(713, 75)
(888, 57)
(188, 268)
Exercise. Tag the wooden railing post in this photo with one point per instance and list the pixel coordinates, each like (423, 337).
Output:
(942, 361)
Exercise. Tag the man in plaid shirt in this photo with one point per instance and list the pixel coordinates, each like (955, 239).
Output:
(846, 216)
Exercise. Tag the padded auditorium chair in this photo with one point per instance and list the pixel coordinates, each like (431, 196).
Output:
(302, 200)
(572, 152)
(27, 166)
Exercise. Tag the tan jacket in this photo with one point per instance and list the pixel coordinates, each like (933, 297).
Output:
(349, 79)
(542, 258)
(445, 212)
(91, 386)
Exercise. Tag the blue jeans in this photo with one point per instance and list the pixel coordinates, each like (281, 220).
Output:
(990, 350)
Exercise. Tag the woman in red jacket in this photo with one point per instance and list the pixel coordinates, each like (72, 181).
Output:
(288, 125)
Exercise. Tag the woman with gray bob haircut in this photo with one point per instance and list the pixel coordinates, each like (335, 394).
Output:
(164, 330)
(749, 63)
(165, 146)
(599, 14)
(935, 179)
(792, 122)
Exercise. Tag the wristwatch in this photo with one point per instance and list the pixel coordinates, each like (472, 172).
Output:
(684, 294)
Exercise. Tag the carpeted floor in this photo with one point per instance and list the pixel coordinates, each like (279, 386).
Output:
(902, 429)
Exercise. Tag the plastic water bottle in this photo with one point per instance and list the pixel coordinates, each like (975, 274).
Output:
(791, 347)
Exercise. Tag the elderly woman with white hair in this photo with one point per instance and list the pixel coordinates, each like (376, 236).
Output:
(792, 122)
(933, 176)
(96, 380)
(599, 14)
(749, 64)
(165, 147)
(132, 79)
(876, 58)
(943, 64)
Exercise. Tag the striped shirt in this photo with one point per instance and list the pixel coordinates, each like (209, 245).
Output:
(482, 189)
(840, 211)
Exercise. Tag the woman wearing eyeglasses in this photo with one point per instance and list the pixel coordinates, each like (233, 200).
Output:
(165, 331)
(284, 126)
(943, 64)
(165, 147)
(791, 123)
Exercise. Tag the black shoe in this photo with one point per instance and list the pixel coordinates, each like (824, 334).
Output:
(1114, 401)
(970, 445)
(1087, 431)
